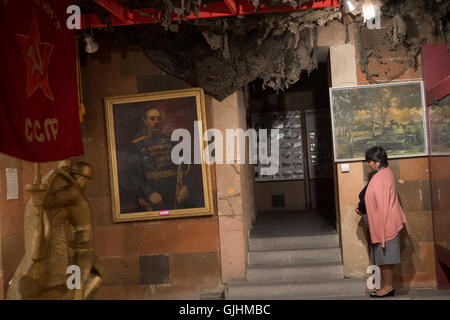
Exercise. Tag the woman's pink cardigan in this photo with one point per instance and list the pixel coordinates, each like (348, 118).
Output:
(385, 215)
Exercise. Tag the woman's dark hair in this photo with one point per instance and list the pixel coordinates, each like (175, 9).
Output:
(377, 153)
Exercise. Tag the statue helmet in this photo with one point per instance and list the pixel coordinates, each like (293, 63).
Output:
(82, 168)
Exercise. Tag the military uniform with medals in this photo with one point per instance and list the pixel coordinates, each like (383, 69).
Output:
(152, 170)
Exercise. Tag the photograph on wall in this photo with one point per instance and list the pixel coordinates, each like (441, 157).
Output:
(145, 181)
(290, 144)
(388, 115)
(439, 114)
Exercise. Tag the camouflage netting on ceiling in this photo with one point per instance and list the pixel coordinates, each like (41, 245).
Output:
(387, 53)
(223, 55)
(276, 49)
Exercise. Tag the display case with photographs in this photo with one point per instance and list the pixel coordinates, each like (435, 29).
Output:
(320, 144)
(290, 154)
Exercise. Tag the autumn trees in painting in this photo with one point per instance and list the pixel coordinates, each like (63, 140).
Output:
(390, 115)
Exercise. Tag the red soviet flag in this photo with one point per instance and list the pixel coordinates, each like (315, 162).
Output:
(39, 118)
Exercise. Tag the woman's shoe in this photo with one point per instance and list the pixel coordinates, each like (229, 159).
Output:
(390, 293)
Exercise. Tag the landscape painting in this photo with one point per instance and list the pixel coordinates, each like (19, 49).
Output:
(388, 115)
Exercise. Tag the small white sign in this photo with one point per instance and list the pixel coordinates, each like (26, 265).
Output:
(164, 212)
(345, 167)
(12, 184)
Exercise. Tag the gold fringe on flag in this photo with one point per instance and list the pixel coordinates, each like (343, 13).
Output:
(81, 109)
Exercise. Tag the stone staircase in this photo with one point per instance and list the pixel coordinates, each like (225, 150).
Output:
(295, 267)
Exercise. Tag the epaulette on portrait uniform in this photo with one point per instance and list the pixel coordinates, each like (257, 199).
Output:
(139, 139)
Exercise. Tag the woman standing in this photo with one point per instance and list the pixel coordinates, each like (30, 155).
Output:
(381, 210)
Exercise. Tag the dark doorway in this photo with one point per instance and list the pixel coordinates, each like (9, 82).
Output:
(302, 195)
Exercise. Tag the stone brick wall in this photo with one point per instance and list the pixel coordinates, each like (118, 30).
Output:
(440, 184)
(413, 185)
(11, 223)
(234, 193)
(162, 259)
(417, 268)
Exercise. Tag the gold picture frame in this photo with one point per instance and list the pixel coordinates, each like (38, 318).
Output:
(390, 115)
(139, 129)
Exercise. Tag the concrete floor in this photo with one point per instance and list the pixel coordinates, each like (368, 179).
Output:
(409, 294)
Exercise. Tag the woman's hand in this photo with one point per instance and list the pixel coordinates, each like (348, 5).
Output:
(359, 213)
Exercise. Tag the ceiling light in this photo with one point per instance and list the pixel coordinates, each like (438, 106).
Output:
(91, 45)
(349, 6)
(369, 10)
(372, 13)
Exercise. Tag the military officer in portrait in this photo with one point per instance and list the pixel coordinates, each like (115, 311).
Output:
(159, 181)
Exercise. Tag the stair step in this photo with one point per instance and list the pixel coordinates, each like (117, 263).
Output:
(295, 289)
(292, 256)
(305, 271)
(294, 242)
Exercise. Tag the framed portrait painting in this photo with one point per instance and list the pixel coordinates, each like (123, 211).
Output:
(147, 181)
(388, 115)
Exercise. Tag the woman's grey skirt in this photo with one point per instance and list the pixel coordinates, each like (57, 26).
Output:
(390, 254)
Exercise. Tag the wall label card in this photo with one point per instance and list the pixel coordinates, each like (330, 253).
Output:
(12, 184)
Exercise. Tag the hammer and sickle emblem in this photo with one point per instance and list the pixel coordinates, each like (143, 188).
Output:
(35, 64)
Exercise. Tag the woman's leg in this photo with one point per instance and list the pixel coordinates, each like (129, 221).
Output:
(387, 275)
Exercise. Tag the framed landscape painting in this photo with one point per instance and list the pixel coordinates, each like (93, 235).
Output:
(146, 183)
(388, 115)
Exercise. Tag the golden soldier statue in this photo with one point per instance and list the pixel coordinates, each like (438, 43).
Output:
(59, 233)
